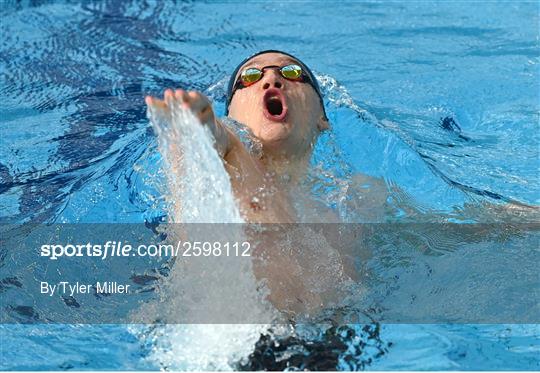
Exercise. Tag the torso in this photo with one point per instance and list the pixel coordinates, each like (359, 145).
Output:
(261, 197)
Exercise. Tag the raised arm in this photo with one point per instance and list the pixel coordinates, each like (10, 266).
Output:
(201, 107)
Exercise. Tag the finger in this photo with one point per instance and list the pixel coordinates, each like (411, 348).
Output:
(155, 102)
(190, 99)
(199, 101)
(168, 94)
(178, 94)
(196, 96)
(193, 95)
(185, 98)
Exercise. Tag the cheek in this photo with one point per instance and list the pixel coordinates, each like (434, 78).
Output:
(302, 111)
(244, 109)
(304, 115)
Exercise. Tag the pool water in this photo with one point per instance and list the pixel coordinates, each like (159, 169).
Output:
(440, 99)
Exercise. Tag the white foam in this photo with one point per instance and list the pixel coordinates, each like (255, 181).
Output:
(199, 191)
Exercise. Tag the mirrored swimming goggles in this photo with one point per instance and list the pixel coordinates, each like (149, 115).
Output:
(252, 75)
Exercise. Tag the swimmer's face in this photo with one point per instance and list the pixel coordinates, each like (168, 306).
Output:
(288, 127)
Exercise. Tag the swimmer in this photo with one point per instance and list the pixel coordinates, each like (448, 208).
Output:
(278, 99)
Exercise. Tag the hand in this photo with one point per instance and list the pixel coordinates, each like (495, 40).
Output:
(198, 103)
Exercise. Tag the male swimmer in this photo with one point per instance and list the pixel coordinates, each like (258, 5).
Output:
(278, 99)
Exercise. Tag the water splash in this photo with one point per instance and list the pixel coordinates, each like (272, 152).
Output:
(425, 134)
(198, 187)
(198, 190)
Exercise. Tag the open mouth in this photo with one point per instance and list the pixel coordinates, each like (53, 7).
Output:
(275, 107)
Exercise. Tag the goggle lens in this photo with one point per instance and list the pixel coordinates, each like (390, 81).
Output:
(250, 76)
(293, 72)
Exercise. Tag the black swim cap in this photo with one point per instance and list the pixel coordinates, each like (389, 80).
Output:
(306, 69)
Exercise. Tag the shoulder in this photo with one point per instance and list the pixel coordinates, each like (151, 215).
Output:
(244, 134)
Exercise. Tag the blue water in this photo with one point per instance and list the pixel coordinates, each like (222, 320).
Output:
(76, 145)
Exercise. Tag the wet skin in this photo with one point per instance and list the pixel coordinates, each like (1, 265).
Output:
(261, 183)
(264, 184)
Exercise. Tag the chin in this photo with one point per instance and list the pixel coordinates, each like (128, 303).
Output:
(274, 133)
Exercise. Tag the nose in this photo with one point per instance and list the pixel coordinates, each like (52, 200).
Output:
(272, 78)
